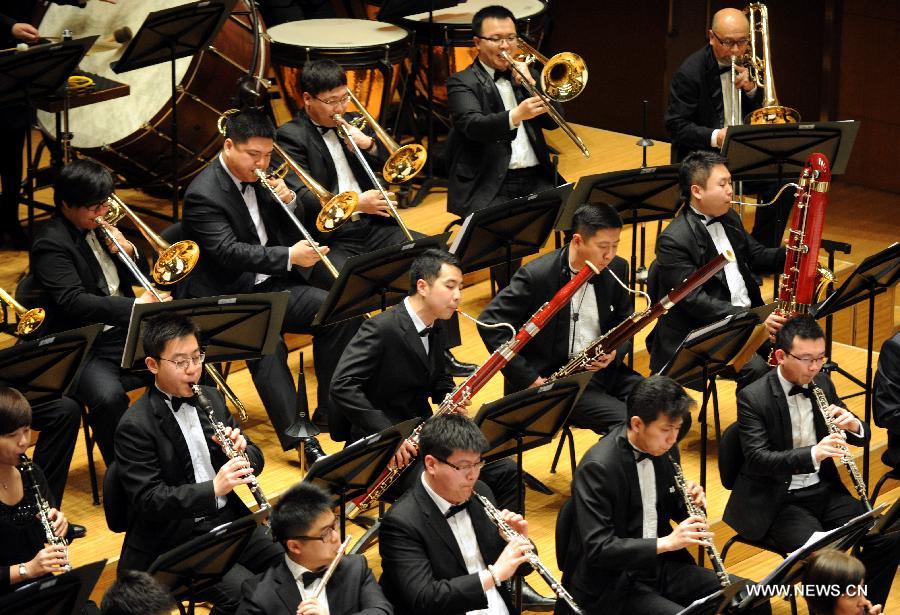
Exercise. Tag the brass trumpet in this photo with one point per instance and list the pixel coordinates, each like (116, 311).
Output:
(29, 320)
(563, 77)
(335, 209)
(173, 264)
(405, 161)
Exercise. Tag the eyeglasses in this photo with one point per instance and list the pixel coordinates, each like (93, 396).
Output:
(333, 101)
(810, 360)
(731, 42)
(510, 40)
(324, 536)
(95, 208)
(183, 364)
(464, 468)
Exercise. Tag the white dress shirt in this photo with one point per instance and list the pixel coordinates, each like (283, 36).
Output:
(107, 266)
(297, 572)
(647, 484)
(418, 323)
(740, 297)
(346, 178)
(584, 318)
(464, 533)
(523, 155)
(728, 92)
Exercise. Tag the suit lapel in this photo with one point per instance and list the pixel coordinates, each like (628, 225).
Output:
(703, 240)
(286, 588)
(318, 141)
(78, 237)
(172, 431)
(437, 522)
(245, 229)
(631, 483)
(342, 596)
(410, 335)
(715, 83)
(781, 408)
(495, 102)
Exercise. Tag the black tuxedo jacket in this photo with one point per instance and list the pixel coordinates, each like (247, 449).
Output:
(217, 218)
(531, 287)
(158, 477)
(69, 282)
(303, 142)
(352, 590)
(695, 103)
(605, 548)
(384, 376)
(684, 247)
(886, 398)
(424, 572)
(480, 142)
(770, 459)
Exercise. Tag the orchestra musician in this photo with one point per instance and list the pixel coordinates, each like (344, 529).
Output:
(136, 593)
(705, 227)
(886, 398)
(249, 245)
(788, 486)
(829, 570)
(304, 523)
(178, 481)
(599, 306)
(82, 282)
(440, 553)
(623, 555)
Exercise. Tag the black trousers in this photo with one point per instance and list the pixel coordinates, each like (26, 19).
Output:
(823, 507)
(58, 422)
(602, 405)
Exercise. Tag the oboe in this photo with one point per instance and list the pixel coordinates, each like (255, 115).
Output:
(43, 510)
(695, 511)
(228, 445)
(509, 534)
(847, 459)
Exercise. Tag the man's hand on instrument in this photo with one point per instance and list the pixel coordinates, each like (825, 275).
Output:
(742, 79)
(527, 109)
(698, 496)
(303, 254)
(832, 445)
(843, 418)
(310, 607)
(148, 297)
(25, 32)
(281, 189)
(371, 202)
(363, 141)
(405, 454)
(237, 471)
(720, 136)
(691, 531)
(514, 555)
(537, 383)
(523, 67)
(237, 439)
(515, 521)
(601, 362)
(773, 323)
(129, 247)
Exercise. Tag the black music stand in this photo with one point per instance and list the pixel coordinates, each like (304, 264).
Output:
(232, 327)
(373, 281)
(703, 355)
(44, 369)
(872, 277)
(789, 570)
(774, 151)
(350, 472)
(716, 602)
(501, 234)
(195, 566)
(169, 34)
(61, 594)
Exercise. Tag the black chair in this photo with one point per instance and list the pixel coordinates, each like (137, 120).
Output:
(891, 474)
(564, 522)
(115, 500)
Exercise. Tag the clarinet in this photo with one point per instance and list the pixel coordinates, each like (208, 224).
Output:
(695, 511)
(474, 383)
(27, 468)
(847, 459)
(228, 445)
(509, 534)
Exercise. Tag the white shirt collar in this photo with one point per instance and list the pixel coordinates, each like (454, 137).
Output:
(786, 385)
(442, 504)
(236, 181)
(296, 569)
(418, 323)
(700, 213)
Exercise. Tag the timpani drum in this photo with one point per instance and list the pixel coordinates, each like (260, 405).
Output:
(131, 135)
(369, 51)
(451, 35)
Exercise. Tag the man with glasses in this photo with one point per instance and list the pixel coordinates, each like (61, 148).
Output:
(440, 553)
(178, 481)
(303, 521)
(496, 146)
(788, 486)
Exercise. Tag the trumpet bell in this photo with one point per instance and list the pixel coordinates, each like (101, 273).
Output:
(405, 163)
(30, 321)
(176, 262)
(564, 76)
(775, 114)
(336, 211)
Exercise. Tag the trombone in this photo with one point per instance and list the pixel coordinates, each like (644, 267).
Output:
(335, 209)
(29, 320)
(551, 110)
(173, 264)
(343, 132)
(563, 77)
(761, 72)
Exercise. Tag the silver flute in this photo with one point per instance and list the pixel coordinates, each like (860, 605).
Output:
(509, 534)
(228, 445)
(847, 459)
(43, 510)
(695, 511)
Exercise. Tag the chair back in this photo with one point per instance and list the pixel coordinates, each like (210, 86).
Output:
(731, 456)
(564, 528)
(115, 500)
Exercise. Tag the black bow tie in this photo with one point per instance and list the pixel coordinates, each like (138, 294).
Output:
(724, 69)
(310, 577)
(244, 186)
(177, 401)
(719, 219)
(455, 508)
(426, 331)
(641, 455)
(503, 74)
(324, 130)
(799, 390)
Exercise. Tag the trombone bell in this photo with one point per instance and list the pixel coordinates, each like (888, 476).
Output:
(405, 163)
(29, 320)
(336, 211)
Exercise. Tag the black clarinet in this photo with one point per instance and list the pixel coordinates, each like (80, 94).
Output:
(43, 509)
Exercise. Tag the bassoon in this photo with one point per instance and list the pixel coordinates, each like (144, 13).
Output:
(474, 383)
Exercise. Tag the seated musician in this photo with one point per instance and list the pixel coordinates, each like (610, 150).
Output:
(305, 524)
(25, 554)
(84, 282)
(496, 146)
(178, 481)
(705, 227)
(886, 398)
(136, 593)
(834, 584)
(440, 553)
(595, 309)
(788, 486)
(249, 244)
